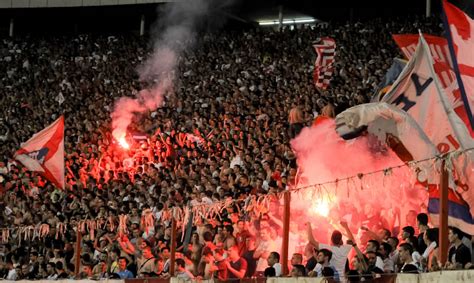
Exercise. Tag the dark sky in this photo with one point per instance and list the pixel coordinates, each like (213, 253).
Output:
(126, 17)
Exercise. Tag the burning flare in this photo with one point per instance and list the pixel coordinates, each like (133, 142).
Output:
(321, 207)
(123, 143)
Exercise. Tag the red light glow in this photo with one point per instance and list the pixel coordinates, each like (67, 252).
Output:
(123, 143)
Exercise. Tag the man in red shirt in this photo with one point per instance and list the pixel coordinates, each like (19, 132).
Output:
(241, 237)
(236, 265)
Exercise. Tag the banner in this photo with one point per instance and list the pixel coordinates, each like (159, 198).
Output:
(443, 66)
(460, 35)
(323, 66)
(419, 92)
(392, 126)
(44, 153)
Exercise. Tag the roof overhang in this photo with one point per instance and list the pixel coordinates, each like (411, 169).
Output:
(21, 4)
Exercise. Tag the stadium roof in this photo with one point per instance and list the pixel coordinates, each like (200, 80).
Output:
(71, 3)
(321, 9)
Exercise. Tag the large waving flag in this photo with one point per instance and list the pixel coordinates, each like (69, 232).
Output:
(419, 92)
(443, 64)
(460, 35)
(443, 67)
(392, 126)
(323, 66)
(44, 153)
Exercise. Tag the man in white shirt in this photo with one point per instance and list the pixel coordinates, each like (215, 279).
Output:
(388, 265)
(393, 241)
(409, 265)
(274, 262)
(12, 275)
(265, 246)
(324, 257)
(181, 271)
(338, 249)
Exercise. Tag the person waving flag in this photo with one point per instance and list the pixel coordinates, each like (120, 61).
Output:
(44, 153)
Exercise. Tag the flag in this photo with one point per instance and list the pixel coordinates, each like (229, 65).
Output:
(390, 77)
(392, 126)
(139, 136)
(323, 66)
(443, 66)
(200, 141)
(60, 98)
(44, 153)
(419, 92)
(460, 36)
(439, 51)
(458, 210)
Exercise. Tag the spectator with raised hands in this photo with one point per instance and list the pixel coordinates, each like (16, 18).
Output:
(338, 248)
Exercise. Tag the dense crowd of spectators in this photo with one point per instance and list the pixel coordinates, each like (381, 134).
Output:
(224, 133)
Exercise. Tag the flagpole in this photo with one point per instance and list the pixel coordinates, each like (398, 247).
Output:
(173, 246)
(78, 252)
(443, 209)
(286, 232)
(428, 8)
(462, 90)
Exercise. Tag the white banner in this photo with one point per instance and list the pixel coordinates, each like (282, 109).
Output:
(419, 92)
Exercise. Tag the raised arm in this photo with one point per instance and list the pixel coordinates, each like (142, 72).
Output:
(311, 239)
(372, 234)
(351, 238)
(348, 231)
(276, 220)
(126, 245)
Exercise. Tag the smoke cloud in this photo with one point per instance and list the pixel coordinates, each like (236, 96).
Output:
(176, 32)
(323, 156)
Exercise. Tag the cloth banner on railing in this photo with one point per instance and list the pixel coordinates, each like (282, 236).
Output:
(452, 276)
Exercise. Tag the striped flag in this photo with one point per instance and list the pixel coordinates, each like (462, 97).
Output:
(458, 210)
(419, 93)
(443, 66)
(44, 153)
(460, 37)
(323, 66)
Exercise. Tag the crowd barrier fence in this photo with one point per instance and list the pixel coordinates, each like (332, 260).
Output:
(450, 276)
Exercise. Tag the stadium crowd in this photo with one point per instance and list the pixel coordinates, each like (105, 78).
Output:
(224, 133)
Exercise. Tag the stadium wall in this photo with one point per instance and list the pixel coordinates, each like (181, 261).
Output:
(452, 276)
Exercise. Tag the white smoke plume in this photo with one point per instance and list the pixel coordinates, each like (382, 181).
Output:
(177, 30)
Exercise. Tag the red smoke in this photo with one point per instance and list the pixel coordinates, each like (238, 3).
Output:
(323, 156)
(126, 108)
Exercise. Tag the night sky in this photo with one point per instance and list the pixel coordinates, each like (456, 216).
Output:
(127, 17)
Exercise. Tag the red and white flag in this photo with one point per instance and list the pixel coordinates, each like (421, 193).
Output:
(443, 67)
(461, 28)
(419, 92)
(323, 66)
(44, 153)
